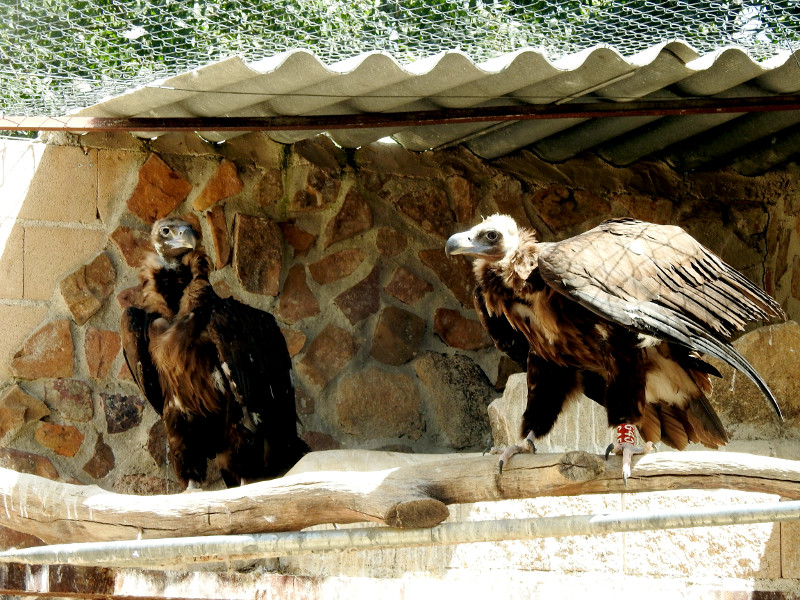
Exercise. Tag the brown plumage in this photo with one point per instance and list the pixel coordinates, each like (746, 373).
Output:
(620, 313)
(217, 370)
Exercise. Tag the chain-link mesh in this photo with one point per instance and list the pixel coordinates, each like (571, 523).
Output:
(57, 55)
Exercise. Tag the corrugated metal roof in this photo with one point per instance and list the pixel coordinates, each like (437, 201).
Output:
(298, 83)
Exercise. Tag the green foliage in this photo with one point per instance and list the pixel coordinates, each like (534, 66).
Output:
(60, 54)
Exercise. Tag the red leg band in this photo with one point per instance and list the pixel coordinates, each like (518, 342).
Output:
(626, 434)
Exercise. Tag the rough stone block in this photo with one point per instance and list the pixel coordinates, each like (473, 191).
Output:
(507, 196)
(397, 336)
(455, 273)
(71, 399)
(64, 440)
(390, 242)
(102, 347)
(219, 235)
(66, 199)
(407, 287)
(133, 244)
(102, 461)
(336, 266)
(295, 340)
(311, 188)
(257, 254)
(157, 443)
(465, 198)
(27, 462)
(460, 393)
(317, 440)
(159, 190)
(361, 300)
(16, 539)
(790, 549)
(143, 485)
(429, 209)
(18, 408)
(223, 184)
(397, 394)
(52, 252)
(122, 412)
(327, 355)
(300, 240)
(354, 217)
(774, 352)
(562, 208)
(85, 290)
(297, 301)
(131, 296)
(48, 352)
(582, 425)
(459, 332)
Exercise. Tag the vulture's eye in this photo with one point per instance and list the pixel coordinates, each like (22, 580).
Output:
(492, 236)
(165, 231)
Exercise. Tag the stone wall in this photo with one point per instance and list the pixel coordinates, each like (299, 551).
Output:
(344, 247)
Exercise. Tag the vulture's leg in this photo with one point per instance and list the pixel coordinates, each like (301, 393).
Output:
(549, 387)
(626, 436)
(512, 449)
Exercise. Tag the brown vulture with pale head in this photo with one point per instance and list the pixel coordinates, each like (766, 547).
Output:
(217, 370)
(623, 314)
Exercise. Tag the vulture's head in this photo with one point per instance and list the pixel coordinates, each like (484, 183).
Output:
(493, 239)
(173, 238)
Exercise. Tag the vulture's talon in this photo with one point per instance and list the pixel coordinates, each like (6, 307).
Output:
(609, 449)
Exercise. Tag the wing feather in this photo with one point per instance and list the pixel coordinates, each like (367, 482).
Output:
(257, 365)
(658, 280)
(135, 334)
(507, 339)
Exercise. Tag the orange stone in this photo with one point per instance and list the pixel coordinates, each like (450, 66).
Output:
(459, 332)
(297, 301)
(336, 266)
(18, 408)
(330, 351)
(257, 254)
(65, 440)
(48, 352)
(86, 289)
(159, 191)
(133, 244)
(295, 340)
(102, 347)
(224, 183)
(26, 462)
(219, 235)
(300, 241)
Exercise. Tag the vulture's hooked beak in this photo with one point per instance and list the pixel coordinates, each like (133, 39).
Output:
(462, 243)
(184, 239)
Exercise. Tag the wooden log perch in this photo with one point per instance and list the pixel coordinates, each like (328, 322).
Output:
(413, 495)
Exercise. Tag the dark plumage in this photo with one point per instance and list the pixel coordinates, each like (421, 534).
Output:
(217, 370)
(620, 313)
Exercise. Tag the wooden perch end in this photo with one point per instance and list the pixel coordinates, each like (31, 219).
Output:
(399, 490)
(415, 514)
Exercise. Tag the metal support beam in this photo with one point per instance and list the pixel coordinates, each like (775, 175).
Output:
(179, 552)
(582, 110)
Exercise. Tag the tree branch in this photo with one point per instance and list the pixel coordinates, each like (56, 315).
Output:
(413, 494)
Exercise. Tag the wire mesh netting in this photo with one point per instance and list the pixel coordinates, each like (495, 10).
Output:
(58, 55)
